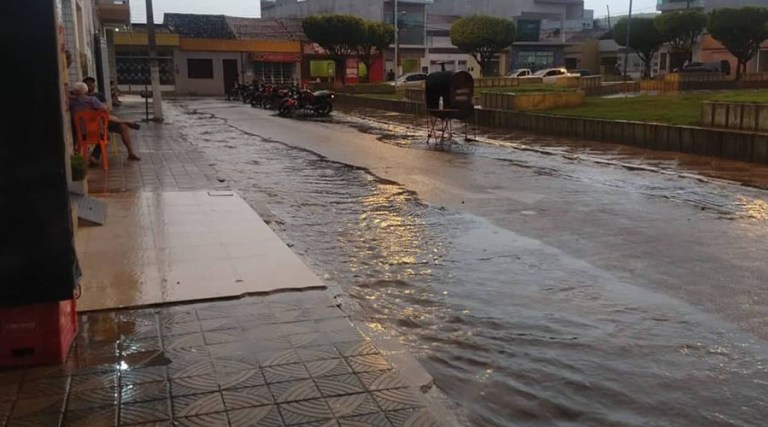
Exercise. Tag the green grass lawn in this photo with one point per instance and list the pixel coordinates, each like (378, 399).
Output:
(672, 109)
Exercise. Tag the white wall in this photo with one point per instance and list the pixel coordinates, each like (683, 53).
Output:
(214, 86)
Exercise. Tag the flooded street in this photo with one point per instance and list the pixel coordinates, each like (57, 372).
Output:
(541, 282)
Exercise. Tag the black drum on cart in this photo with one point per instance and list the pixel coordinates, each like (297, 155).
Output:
(448, 96)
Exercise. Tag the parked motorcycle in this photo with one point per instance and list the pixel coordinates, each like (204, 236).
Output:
(320, 102)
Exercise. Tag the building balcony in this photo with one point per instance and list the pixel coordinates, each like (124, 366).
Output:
(113, 12)
(677, 5)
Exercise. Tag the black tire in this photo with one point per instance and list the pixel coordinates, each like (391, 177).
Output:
(284, 109)
(324, 108)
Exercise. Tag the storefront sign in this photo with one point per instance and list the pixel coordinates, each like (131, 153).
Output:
(274, 57)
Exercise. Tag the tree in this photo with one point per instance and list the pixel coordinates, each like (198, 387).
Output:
(644, 38)
(681, 29)
(378, 36)
(741, 31)
(339, 35)
(482, 37)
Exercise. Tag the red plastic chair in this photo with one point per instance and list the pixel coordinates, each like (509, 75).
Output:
(91, 128)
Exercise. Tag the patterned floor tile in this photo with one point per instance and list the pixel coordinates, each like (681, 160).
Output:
(92, 381)
(247, 397)
(194, 385)
(173, 330)
(346, 334)
(268, 343)
(277, 357)
(197, 404)
(177, 317)
(36, 420)
(327, 368)
(218, 324)
(322, 352)
(339, 386)
(145, 412)
(356, 348)
(177, 342)
(144, 392)
(12, 377)
(181, 369)
(210, 313)
(308, 411)
(92, 398)
(308, 340)
(9, 391)
(91, 417)
(240, 379)
(222, 336)
(224, 366)
(295, 328)
(44, 387)
(143, 375)
(281, 373)
(381, 380)
(141, 345)
(218, 419)
(293, 391)
(371, 362)
(41, 405)
(397, 399)
(352, 405)
(370, 420)
(420, 417)
(262, 416)
(323, 313)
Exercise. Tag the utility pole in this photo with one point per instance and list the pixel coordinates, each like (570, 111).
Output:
(626, 44)
(397, 41)
(154, 66)
(608, 8)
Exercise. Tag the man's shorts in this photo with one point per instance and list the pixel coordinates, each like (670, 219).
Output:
(114, 127)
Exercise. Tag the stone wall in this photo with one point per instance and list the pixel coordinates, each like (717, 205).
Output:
(735, 115)
(729, 144)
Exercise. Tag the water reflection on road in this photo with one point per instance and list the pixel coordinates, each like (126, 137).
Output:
(516, 331)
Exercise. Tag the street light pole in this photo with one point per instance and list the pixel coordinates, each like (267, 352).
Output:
(397, 41)
(626, 43)
(154, 66)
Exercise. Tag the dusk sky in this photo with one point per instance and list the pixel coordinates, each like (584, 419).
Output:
(251, 7)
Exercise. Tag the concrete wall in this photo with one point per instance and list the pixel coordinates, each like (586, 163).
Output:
(735, 115)
(531, 101)
(734, 145)
(214, 86)
(369, 9)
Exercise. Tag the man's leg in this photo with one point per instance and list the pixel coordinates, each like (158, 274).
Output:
(125, 134)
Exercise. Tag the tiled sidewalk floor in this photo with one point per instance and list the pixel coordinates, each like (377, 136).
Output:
(169, 162)
(281, 360)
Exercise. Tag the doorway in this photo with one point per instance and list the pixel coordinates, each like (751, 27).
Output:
(231, 76)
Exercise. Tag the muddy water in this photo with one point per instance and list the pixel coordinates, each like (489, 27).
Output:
(514, 331)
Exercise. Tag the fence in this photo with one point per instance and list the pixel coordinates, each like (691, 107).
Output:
(735, 115)
(729, 144)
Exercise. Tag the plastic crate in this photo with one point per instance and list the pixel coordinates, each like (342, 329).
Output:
(37, 334)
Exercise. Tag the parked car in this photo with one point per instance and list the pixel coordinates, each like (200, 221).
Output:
(581, 72)
(412, 79)
(550, 75)
(520, 72)
(707, 67)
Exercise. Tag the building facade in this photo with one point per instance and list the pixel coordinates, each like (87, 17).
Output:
(424, 28)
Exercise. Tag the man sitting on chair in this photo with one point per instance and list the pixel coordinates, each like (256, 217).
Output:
(81, 100)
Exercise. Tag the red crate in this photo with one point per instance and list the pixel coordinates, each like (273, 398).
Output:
(37, 334)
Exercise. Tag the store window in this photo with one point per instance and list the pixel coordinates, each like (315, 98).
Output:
(273, 71)
(536, 60)
(200, 68)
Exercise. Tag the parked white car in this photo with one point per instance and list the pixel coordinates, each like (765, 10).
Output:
(550, 75)
(520, 72)
(412, 79)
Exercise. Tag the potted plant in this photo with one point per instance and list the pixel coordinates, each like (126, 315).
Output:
(79, 172)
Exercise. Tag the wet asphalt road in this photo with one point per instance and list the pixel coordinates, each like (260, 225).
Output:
(538, 289)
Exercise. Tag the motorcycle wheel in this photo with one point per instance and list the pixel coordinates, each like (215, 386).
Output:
(284, 109)
(324, 108)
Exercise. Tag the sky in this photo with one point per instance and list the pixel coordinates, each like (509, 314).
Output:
(250, 8)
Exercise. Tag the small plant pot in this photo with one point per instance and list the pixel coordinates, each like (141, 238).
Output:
(79, 187)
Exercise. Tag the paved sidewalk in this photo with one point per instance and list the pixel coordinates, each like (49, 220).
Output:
(174, 240)
(281, 360)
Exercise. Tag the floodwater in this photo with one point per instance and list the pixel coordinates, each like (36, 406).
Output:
(515, 331)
